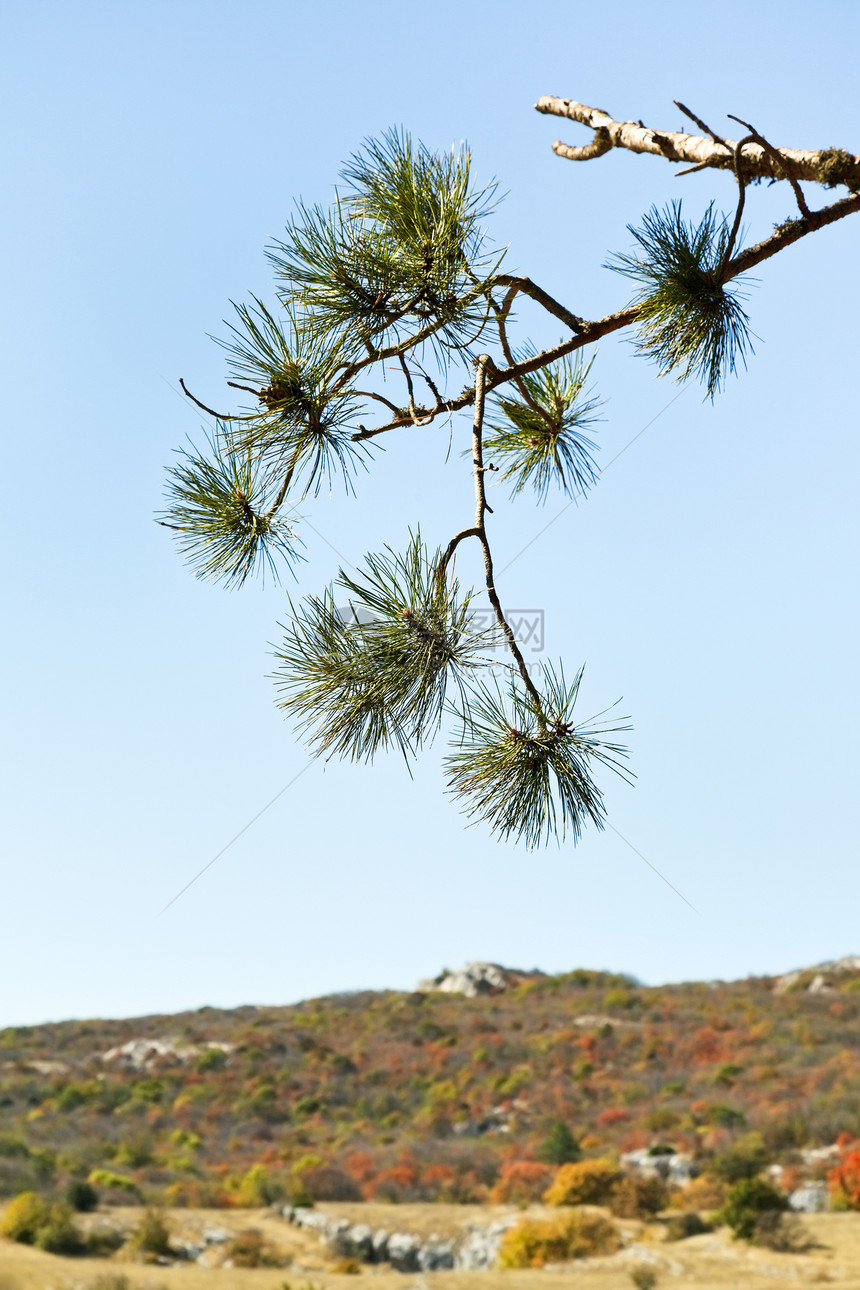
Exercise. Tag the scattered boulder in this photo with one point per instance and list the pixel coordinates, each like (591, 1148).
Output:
(144, 1054)
(811, 1198)
(476, 978)
(403, 1251)
(814, 1156)
(436, 1255)
(481, 1247)
(672, 1166)
(819, 979)
(379, 1246)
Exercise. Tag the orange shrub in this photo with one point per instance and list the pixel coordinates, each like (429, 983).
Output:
(702, 1193)
(639, 1196)
(534, 1242)
(587, 1182)
(520, 1182)
(613, 1115)
(844, 1181)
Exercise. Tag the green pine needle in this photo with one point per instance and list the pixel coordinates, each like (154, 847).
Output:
(369, 668)
(303, 419)
(545, 446)
(219, 508)
(689, 321)
(400, 248)
(530, 779)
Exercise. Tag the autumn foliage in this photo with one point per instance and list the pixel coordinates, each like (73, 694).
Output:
(430, 1097)
(588, 1182)
(535, 1242)
(844, 1181)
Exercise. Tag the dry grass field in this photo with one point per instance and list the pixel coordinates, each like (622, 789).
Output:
(708, 1262)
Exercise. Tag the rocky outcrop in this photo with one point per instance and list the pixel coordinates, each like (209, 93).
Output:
(673, 1166)
(475, 979)
(812, 1198)
(404, 1251)
(145, 1054)
(818, 979)
(481, 1247)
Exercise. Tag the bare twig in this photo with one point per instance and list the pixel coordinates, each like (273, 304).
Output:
(369, 394)
(219, 416)
(288, 479)
(529, 288)
(234, 385)
(501, 318)
(778, 160)
(707, 129)
(742, 192)
(482, 363)
(452, 547)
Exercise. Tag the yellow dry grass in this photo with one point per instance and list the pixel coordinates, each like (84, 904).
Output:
(709, 1262)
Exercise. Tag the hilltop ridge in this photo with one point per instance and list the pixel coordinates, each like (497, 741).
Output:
(433, 1093)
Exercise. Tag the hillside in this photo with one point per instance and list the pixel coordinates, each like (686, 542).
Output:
(427, 1095)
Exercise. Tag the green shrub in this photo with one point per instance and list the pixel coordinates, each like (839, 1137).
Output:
(747, 1201)
(534, 1242)
(82, 1196)
(59, 1233)
(745, 1159)
(680, 1226)
(24, 1217)
(559, 1147)
(782, 1232)
(250, 1249)
(213, 1059)
(103, 1241)
(152, 1236)
(30, 1220)
(643, 1276)
(726, 1117)
(639, 1196)
(111, 1181)
(12, 1147)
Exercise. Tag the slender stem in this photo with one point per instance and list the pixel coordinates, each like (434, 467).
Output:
(730, 245)
(551, 305)
(219, 416)
(430, 384)
(403, 346)
(501, 319)
(368, 394)
(482, 362)
(452, 547)
(288, 479)
(780, 163)
(707, 129)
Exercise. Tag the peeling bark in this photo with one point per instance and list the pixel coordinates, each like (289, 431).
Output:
(827, 166)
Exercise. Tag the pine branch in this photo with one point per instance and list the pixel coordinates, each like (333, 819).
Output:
(828, 166)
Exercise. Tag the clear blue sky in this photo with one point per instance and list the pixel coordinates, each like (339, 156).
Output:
(151, 150)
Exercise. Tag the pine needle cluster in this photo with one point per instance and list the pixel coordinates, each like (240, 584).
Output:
(528, 772)
(219, 506)
(541, 441)
(367, 665)
(306, 419)
(688, 321)
(402, 243)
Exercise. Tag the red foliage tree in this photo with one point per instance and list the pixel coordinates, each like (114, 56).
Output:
(520, 1182)
(844, 1181)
